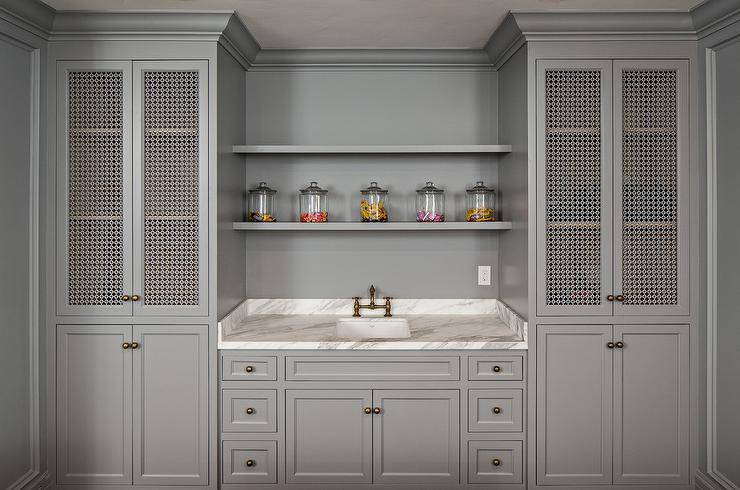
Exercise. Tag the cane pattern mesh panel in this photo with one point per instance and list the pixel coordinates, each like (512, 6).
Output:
(171, 171)
(95, 188)
(573, 187)
(650, 187)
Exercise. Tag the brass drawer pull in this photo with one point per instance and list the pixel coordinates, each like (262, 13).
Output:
(134, 345)
(496, 369)
(249, 411)
(619, 297)
(497, 410)
(610, 345)
(496, 462)
(249, 369)
(368, 410)
(125, 345)
(377, 410)
(125, 297)
(135, 297)
(610, 297)
(619, 345)
(249, 462)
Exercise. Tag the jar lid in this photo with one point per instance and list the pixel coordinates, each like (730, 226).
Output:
(262, 189)
(313, 189)
(479, 188)
(430, 188)
(374, 189)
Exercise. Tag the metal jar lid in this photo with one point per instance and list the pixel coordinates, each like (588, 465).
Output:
(479, 188)
(314, 189)
(262, 189)
(373, 189)
(430, 188)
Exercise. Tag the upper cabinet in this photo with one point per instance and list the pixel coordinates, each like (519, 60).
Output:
(132, 188)
(612, 160)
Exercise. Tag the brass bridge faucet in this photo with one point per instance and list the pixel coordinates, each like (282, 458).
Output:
(372, 306)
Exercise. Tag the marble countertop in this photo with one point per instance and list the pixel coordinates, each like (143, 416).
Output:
(268, 325)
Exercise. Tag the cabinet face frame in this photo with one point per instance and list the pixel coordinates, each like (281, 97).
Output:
(683, 189)
(139, 273)
(605, 69)
(64, 68)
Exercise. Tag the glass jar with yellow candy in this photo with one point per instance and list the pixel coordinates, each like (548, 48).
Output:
(481, 203)
(262, 203)
(374, 204)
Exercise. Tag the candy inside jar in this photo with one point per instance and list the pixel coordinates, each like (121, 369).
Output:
(262, 203)
(430, 203)
(481, 205)
(314, 204)
(374, 204)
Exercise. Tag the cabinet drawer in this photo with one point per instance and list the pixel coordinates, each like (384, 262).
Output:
(373, 368)
(237, 368)
(249, 410)
(495, 462)
(495, 410)
(499, 368)
(249, 462)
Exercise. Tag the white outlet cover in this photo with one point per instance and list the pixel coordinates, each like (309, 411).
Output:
(484, 275)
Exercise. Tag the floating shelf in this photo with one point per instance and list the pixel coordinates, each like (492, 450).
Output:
(358, 226)
(376, 149)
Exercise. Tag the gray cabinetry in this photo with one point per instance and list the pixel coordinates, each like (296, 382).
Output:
(132, 187)
(612, 404)
(612, 218)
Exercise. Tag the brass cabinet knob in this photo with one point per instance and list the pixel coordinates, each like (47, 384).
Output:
(610, 345)
(497, 410)
(610, 297)
(619, 345)
(125, 345)
(376, 410)
(249, 369)
(496, 462)
(496, 369)
(249, 411)
(134, 345)
(135, 297)
(249, 462)
(368, 410)
(619, 297)
(125, 297)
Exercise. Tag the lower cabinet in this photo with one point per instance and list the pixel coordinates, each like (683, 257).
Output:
(132, 404)
(612, 404)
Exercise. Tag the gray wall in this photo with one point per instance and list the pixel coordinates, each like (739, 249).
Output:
(728, 264)
(15, 142)
(230, 187)
(513, 174)
(371, 107)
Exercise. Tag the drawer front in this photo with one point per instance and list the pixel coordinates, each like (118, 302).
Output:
(436, 368)
(495, 410)
(495, 462)
(499, 368)
(249, 462)
(237, 368)
(249, 410)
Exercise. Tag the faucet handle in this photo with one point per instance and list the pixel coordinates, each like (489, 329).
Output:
(387, 297)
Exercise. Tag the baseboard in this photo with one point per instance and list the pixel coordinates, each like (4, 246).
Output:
(704, 481)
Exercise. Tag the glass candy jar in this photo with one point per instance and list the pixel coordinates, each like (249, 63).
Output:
(430, 203)
(374, 203)
(313, 204)
(262, 203)
(481, 203)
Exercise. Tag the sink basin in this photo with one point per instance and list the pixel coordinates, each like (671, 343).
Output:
(373, 328)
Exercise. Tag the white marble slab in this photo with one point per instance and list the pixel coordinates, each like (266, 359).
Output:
(434, 324)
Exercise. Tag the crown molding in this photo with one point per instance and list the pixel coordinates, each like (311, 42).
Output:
(713, 15)
(30, 15)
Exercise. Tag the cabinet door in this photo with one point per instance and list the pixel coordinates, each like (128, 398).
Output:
(651, 191)
(574, 405)
(93, 403)
(416, 437)
(574, 182)
(651, 417)
(328, 436)
(170, 187)
(170, 398)
(94, 187)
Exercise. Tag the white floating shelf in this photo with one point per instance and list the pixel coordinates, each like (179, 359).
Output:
(358, 226)
(377, 149)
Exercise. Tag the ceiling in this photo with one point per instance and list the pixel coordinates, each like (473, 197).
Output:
(371, 23)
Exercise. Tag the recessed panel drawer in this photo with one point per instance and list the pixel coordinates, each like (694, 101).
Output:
(499, 368)
(384, 368)
(495, 462)
(249, 410)
(249, 462)
(238, 368)
(495, 410)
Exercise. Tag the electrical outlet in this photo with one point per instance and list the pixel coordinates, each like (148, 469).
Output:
(484, 275)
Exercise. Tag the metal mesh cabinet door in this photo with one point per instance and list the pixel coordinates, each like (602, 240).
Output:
(94, 188)
(651, 187)
(170, 187)
(574, 223)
